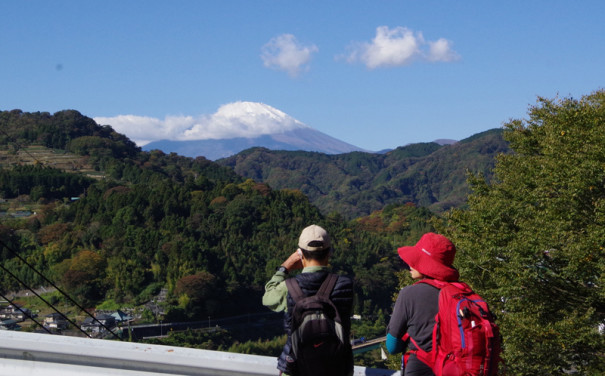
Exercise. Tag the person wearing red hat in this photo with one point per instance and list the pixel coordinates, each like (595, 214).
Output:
(416, 306)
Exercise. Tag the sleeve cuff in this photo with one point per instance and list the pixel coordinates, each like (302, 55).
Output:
(281, 275)
(394, 345)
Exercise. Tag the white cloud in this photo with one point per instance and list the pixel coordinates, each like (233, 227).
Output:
(238, 119)
(441, 50)
(143, 129)
(285, 53)
(399, 46)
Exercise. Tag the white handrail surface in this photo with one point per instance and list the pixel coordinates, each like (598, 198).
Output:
(49, 355)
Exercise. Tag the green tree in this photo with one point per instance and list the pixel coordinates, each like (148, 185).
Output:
(198, 290)
(126, 276)
(83, 275)
(531, 241)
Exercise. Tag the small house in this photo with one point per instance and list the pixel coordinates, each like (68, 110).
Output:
(15, 312)
(120, 316)
(9, 324)
(55, 321)
(98, 324)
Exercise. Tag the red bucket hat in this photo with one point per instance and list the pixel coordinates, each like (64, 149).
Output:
(432, 256)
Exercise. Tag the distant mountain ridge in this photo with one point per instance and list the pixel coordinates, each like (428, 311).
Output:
(445, 141)
(234, 127)
(150, 220)
(306, 139)
(241, 125)
(356, 184)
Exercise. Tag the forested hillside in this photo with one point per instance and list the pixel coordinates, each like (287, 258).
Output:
(147, 221)
(112, 224)
(533, 240)
(356, 184)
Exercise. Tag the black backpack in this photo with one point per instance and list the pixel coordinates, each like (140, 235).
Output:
(318, 344)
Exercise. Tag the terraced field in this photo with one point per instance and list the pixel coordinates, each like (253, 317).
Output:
(48, 157)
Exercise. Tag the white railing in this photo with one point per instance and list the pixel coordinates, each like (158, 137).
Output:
(49, 355)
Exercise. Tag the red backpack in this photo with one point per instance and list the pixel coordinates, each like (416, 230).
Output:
(466, 340)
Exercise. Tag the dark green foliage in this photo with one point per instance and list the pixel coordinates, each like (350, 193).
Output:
(199, 339)
(212, 238)
(266, 347)
(189, 225)
(222, 340)
(39, 181)
(356, 184)
(532, 242)
(415, 150)
(59, 130)
(370, 327)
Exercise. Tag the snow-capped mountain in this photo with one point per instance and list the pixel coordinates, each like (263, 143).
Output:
(242, 125)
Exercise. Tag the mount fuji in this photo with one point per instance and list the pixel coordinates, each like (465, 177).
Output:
(241, 125)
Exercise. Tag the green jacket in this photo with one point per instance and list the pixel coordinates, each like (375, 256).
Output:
(276, 291)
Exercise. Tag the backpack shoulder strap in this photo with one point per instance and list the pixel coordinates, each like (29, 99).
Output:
(427, 357)
(324, 291)
(294, 289)
(327, 286)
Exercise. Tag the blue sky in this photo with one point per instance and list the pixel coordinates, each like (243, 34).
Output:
(375, 74)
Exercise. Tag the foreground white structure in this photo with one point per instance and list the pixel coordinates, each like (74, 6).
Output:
(50, 355)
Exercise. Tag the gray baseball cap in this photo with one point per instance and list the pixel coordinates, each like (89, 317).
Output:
(314, 238)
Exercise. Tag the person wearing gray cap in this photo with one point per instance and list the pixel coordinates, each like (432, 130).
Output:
(312, 256)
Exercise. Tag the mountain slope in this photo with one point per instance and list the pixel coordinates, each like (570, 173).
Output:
(355, 184)
(307, 139)
(156, 221)
(241, 125)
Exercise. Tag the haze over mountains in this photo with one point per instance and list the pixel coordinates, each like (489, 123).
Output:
(233, 128)
(307, 139)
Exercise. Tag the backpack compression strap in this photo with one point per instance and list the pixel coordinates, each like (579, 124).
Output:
(427, 357)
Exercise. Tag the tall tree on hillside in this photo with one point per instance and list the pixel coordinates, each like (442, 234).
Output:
(532, 241)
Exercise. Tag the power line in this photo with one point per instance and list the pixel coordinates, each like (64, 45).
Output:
(31, 317)
(44, 300)
(56, 287)
(19, 147)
